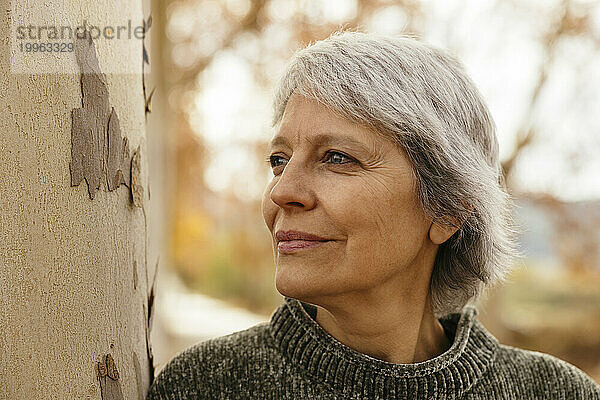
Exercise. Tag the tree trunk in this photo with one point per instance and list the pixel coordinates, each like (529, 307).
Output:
(75, 268)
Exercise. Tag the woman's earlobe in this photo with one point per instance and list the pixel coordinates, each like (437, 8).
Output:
(439, 233)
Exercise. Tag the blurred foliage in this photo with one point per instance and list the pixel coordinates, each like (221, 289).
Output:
(555, 313)
(228, 262)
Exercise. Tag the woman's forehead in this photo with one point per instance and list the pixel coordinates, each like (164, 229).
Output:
(324, 138)
(308, 120)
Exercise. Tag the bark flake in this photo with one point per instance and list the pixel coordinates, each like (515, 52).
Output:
(98, 150)
(108, 376)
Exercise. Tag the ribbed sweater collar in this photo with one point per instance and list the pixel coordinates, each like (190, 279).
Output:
(447, 376)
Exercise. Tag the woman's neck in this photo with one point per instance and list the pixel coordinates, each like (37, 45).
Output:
(390, 331)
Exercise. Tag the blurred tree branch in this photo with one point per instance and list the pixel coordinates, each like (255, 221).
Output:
(571, 23)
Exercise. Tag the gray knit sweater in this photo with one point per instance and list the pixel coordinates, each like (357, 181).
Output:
(292, 357)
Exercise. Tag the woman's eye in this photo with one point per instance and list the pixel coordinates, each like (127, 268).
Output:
(337, 158)
(332, 157)
(275, 161)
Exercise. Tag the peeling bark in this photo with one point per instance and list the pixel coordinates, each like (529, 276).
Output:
(146, 60)
(137, 189)
(117, 164)
(135, 275)
(149, 320)
(108, 375)
(97, 147)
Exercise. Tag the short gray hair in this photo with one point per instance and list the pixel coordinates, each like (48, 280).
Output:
(420, 97)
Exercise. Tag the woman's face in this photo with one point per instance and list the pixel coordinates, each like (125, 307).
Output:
(342, 182)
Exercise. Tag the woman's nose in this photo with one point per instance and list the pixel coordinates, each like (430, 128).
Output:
(293, 188)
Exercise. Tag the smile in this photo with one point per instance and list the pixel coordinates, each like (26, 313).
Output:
(292, 246)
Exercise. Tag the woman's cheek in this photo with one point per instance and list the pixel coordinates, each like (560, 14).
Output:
(268, 208)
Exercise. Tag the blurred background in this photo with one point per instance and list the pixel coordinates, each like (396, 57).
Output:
(214, 65)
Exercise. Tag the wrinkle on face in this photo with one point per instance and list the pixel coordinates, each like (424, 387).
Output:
(372, 207)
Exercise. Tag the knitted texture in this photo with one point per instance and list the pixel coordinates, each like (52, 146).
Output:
(292, 357)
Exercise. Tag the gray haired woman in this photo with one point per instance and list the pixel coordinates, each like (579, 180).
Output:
(389, 216)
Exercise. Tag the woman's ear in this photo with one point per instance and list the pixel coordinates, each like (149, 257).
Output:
(439, 233)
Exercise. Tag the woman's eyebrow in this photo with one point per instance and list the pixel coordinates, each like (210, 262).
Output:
(324, 139)
(278, 140)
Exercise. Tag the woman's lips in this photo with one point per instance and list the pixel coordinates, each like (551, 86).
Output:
(291, 246)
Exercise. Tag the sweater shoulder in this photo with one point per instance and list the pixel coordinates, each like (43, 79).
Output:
(235, 347)
(539, 374)
(212, 363)
(238, 344)
(528, 359)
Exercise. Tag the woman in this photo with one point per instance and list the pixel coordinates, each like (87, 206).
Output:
(388, 217)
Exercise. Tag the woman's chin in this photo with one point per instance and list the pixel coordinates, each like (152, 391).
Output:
(289, 286)
(296, 285)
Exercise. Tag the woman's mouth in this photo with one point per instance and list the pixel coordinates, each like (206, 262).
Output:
(291, 246)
